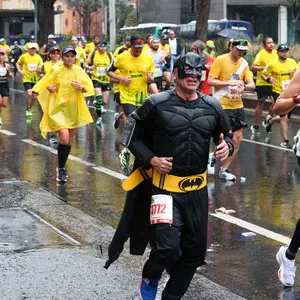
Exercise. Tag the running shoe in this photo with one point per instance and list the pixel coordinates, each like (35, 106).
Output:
(53, 139)
(255, 129)
(61, 175)
(267, 123)
(28, 113)
(148, 288)
(103, 110)
(125, 158)
(1, 122)
(296, 147)
(99, 122)
(286, 144)
(116, 120)
(287, 269)
(225, 174)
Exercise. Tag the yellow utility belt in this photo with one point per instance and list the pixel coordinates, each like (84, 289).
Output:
(166, 182)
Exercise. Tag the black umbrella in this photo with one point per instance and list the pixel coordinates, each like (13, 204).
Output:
(234, 34)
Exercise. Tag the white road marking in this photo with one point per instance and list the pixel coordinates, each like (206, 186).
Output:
(59, 232)
(254, 228)
(7, 132)
(19, 91)
(268, 145)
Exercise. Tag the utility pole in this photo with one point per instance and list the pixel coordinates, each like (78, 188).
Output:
(35, 19)
(112, 24)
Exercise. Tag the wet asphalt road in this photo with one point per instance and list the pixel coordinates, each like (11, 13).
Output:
(269, 197)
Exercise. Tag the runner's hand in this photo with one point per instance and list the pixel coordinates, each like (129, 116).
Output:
(162, 165)
(222, 149)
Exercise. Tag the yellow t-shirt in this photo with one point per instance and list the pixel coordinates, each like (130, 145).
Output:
(80, 56)
(90, 47)
(137, 68)
(30, 65)
(224, 69)
(165, 48)
(26, 46)
(262, 58)
(281, 72)
(101, 62)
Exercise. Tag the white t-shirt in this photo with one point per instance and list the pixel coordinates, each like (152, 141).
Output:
(173, 46)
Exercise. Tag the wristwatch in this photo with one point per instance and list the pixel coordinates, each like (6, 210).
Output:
(230, 148)
(295, 99)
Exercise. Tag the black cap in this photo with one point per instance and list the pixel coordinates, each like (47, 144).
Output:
(55, 48)
(127, 39)
(68, 49)
(164, 37)
(102, 43)
(283, 47)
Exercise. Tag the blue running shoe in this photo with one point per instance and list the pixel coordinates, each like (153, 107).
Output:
(148, 288)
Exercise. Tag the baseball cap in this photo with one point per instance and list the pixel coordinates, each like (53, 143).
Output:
(31, 45)
(51, 36)
(2, 40)
(127, 39)
(55, 48)
(210, 44)
(164, 37)
(32, 37)
(137, 41)
(15, 42)
(240, 44)
(68, 49)
(102, 43)
(283, 47)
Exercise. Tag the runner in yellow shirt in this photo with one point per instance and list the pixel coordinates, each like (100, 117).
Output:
(230, 75)
(29, 66)
(136, 71)
(279, 73)
(32, 40)
(125, 45)
(90, 47)
(81, 55)
(263, 88)
(5, 47)
(98, 62)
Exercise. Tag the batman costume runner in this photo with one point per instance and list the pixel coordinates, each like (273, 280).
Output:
(166, 125)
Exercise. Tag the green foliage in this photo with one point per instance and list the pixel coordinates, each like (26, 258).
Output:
(70, 34)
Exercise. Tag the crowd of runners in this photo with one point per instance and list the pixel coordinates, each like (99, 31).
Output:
(64, 80)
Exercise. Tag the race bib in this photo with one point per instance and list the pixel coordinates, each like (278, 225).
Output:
(3, 72)
(101, 71)
(161, 211)
(285, 84)
(233, 93)
(32, 67)
(157, 72)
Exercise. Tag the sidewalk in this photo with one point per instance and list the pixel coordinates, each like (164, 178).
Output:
(50, 250)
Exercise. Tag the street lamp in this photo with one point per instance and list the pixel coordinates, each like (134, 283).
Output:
(35, 18)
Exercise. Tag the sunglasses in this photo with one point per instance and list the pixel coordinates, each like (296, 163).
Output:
(55, 52)
(138, 42)
(240, 43)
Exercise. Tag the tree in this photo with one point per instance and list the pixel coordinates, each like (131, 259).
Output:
(295, 8)
(85, 8)
(203, 8)
(45, 18)
(124, 14)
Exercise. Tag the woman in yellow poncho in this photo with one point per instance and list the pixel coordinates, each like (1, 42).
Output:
(61, 95)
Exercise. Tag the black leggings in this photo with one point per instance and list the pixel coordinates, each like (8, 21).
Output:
(295, 242)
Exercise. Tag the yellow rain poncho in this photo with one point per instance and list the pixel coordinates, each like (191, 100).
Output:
(66, 107)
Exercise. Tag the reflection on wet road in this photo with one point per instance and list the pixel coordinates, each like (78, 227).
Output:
(269, 197)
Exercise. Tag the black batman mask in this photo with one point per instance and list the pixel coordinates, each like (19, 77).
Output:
(189, 64)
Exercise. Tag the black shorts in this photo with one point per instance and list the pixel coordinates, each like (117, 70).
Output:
(4, 89)
(117, 98)
(102, 85)
(28, 85)
(128, 108)
(158, 81)
(263, 92)
(235, 118)
(275, 96)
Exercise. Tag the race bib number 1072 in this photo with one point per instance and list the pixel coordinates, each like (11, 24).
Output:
(161, 209)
